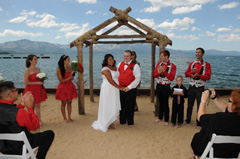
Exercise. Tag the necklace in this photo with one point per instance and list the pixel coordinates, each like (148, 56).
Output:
(33, 70)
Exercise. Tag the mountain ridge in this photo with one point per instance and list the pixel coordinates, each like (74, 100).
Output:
(37, 47)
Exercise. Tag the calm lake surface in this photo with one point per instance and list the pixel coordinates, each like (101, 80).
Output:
(225, 70)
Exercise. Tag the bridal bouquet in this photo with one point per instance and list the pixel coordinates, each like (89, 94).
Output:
(76, 66)
(42, 76)
(1, 78)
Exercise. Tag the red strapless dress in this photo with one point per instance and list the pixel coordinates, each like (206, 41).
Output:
(38, 91)
(66, 90)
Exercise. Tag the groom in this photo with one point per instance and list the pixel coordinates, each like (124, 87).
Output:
(129, 77)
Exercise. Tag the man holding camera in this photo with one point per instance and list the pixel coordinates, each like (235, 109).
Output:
(199, 72)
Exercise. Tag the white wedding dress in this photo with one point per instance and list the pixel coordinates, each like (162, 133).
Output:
(109, 103)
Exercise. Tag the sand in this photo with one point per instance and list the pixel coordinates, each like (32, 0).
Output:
(146, 140)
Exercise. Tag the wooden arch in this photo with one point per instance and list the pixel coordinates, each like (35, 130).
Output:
(90, 37)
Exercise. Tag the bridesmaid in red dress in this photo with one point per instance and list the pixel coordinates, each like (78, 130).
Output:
(66, 90)
(34, 84)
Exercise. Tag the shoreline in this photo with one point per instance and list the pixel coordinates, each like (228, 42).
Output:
(140, 91)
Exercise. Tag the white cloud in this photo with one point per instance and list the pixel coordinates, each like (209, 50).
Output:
(151, 9)
(237, 30)
(24, 15)
(180, 24)
(195, 28)
(174, 3)
(31, 13)
(47, 21)
(58, 37)
(90, 12)
(187, 9)
(87, 1)
(228, 37)
(213, 25)
(229, 5)
(238, 17)
(68, 27)
(84, 28)
(210, 33)
(223, 29)
(1, 9)
(188, 37)
(18, 19)
(8, 32)
(148, 22)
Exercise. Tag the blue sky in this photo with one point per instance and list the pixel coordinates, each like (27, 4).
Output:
(211, 24)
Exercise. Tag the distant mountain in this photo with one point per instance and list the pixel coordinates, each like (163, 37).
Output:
(36, 47)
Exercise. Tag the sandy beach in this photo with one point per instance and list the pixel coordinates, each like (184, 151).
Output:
(146, 140)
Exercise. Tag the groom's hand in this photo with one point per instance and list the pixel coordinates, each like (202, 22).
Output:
(126, 89)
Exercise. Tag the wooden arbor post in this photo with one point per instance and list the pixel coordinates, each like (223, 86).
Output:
(81, 108)
(91, 92)
(153, 67)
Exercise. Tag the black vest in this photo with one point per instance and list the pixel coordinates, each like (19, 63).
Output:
(8, 124)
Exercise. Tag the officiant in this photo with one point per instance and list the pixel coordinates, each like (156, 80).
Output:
(129, 77)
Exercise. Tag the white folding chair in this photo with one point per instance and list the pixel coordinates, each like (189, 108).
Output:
(217, 139)
(27, 150)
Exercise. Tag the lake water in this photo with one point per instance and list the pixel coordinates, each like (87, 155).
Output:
(225, 70)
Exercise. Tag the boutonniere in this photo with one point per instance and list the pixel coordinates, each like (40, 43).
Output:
(131, 68)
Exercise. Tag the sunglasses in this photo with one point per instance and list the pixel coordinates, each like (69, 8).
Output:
(229, 101)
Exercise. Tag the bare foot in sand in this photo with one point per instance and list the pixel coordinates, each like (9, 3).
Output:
(111, 127)
(70, 120)
(65, 120)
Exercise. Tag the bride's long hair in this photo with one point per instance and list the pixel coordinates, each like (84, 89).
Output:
(105, 60)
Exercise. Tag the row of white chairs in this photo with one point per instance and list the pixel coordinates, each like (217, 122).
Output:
(28, 151)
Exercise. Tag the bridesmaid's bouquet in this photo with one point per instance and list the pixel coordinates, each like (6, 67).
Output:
(76, 66)
(1, 78)
(42, 77)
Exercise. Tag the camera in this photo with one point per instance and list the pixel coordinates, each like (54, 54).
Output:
(210, 92)
(73, 74)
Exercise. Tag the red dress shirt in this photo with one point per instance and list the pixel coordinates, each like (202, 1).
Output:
(170, 75)
(25, 119)
(204, 77)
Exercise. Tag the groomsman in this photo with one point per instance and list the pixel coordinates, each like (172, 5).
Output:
(165, 73)
(199, 72)
(129, 77)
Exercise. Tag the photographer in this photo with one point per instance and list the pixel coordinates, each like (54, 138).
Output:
(222, 123)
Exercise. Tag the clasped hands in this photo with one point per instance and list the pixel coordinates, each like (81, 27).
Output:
(27, 99)
(194, 75)
(125, 89)
(161, 69)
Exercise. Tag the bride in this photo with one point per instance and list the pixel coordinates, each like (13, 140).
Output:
(109, 100)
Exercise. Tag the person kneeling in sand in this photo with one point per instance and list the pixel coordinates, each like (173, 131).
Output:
(15, 119)
(223, 123)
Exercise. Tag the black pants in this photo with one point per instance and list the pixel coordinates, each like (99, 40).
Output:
(177, 112)
(163, 92)
(128, 101)
(193, 93)
(42, 140)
